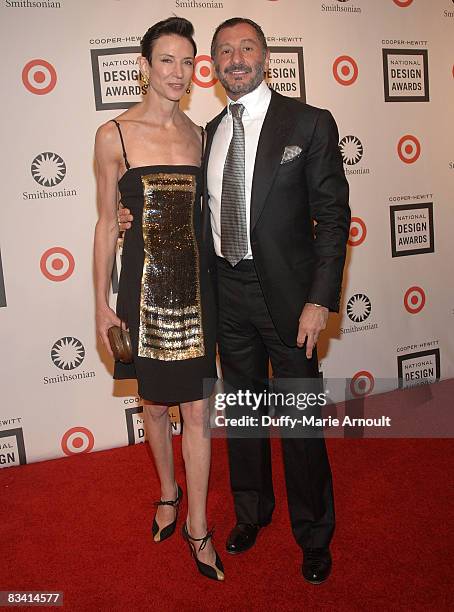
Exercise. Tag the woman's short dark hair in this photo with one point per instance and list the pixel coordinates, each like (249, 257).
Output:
(173, 25)
(230, 23)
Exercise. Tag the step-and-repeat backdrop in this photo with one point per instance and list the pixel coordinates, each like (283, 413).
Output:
(384, 69)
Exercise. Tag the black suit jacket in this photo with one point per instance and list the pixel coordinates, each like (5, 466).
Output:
(296, 260)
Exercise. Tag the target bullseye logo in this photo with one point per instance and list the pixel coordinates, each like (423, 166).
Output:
(57, 264)
(408, 149)
(414, 299)
(403, 3)
(204, 71)
(77, 440)
(39, 77)
(362, 383)
(345, 70)
(358, 232)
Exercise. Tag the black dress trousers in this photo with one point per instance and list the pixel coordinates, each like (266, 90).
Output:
(248, 341)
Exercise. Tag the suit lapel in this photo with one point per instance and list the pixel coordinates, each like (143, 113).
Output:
(273, 138)
(211, 128)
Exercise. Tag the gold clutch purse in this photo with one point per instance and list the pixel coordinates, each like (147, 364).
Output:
(120, 343)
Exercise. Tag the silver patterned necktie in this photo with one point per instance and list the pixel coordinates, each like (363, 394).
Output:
(233, 200)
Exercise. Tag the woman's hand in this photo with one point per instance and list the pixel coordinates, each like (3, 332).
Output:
(105, 319)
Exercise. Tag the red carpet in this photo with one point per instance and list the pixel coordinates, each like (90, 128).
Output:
(82, 526)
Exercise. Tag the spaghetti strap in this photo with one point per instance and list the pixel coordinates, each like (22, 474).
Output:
(203, 144)
(122, 144)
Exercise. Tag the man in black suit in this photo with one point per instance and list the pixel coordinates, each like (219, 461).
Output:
(276, 222)
(275, 300)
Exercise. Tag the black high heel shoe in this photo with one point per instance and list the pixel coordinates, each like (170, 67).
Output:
(216, 572)
(162, 534)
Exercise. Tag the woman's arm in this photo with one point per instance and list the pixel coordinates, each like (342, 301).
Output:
(106, 232)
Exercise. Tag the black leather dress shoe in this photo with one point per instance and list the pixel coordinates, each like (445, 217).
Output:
(316, 564)
(242, 538)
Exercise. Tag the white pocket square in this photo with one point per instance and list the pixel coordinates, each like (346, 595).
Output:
(290, 153)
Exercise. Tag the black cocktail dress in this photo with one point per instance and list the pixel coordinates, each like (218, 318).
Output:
(165, 293)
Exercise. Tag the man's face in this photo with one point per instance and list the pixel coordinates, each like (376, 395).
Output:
(239, 60)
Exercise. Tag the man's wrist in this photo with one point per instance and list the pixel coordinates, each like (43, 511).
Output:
(317, 305)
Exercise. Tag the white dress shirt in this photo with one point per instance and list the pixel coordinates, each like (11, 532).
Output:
(255, 108)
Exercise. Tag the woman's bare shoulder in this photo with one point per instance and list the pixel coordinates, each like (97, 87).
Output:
(197, 129)
(109, 129)
(107, 143)
(106, 134)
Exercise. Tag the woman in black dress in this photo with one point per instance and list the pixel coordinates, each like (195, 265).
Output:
(152, 154)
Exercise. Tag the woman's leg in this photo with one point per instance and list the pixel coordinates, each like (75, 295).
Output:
(197, 455)
(159, 434)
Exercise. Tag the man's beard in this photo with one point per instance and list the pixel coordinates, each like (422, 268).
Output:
(239, 87)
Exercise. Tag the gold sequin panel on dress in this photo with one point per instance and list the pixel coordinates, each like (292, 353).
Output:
(170, 312)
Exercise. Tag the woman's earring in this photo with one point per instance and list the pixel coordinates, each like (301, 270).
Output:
(145, 81)
(188, 89)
